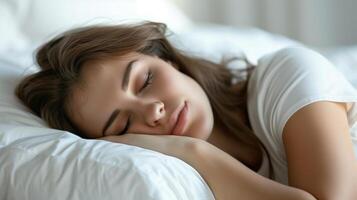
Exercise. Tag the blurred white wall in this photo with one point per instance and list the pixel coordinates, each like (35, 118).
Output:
(322, 23)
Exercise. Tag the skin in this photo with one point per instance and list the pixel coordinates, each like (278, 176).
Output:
(319, 151)
(100, 93)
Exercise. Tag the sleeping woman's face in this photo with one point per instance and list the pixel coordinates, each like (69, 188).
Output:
(141, 94)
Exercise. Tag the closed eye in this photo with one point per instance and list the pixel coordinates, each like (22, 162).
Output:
(148, 80)
(126, 127)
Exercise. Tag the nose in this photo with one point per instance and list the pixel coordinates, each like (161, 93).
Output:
(154, 113)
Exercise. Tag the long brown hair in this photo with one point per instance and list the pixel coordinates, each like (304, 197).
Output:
(47, 92)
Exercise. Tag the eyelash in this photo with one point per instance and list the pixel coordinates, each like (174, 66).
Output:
(126, 128)
(148, 81)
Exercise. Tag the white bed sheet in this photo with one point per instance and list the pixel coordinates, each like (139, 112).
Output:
(42, 163)
(39, 162)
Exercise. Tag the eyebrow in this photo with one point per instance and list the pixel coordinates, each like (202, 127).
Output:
(124, 86)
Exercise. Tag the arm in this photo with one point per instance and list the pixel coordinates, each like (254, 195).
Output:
(319, 151)
(230, 179)
(227, 177)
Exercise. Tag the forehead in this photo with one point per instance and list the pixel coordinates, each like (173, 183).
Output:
(102, 64)
(92, 97)
(95, 70)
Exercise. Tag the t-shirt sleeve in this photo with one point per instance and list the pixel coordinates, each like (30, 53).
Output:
(294, 77)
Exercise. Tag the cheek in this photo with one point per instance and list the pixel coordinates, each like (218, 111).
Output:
(201, 110)
(176, 85)
(202, 115)
(171, 81)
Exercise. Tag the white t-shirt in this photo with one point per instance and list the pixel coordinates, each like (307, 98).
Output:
(284, 82)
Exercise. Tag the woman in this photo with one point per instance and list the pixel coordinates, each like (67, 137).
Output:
(128, 84)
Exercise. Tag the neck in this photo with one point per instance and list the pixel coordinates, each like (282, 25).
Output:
(227, 142)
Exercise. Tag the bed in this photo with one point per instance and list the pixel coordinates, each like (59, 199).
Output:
(37, 162)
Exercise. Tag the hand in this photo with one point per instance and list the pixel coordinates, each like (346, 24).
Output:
(168, 144)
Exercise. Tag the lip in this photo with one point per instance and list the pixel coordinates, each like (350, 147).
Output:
(180, 119)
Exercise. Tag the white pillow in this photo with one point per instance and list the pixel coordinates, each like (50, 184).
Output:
(213, 41)
(41, 163)
(38, 20)
(11, 38)
(38, 162)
